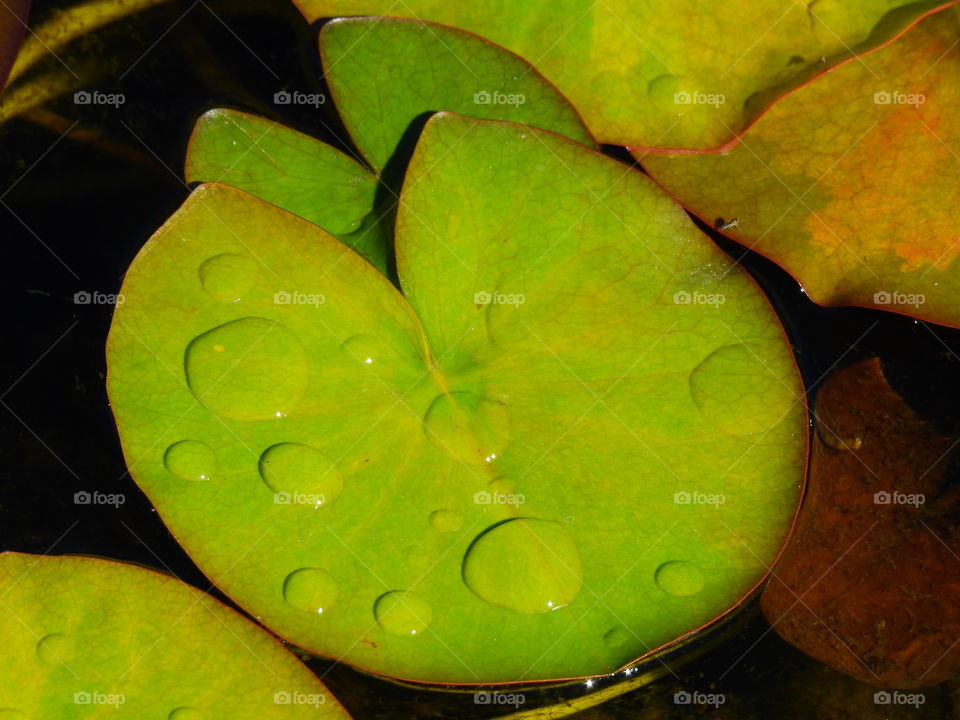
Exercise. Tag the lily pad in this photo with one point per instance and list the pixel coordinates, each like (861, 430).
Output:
(85, 637)
(386, 75)
(691, 75)
(850, 183)
(575, 435)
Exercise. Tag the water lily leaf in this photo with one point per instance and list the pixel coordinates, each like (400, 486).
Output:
(849, 183)
(573, 437)
(13, 24)
(386, 72)
(691, 77)
(85, 637)
(869, 583)
(376, 70)
(291, 170)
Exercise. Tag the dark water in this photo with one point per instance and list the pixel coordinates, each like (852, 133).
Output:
(75, 213)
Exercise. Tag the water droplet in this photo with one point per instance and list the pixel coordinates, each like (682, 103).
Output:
(190, 460)
(364, 349)
(471, 428)
(248, 369)
(679, 578)
(227, 277)
(663, 88)
(310, 589)
(524, 564)
(304, 474)
(402, 612)
(52, 649)
(446, 520)
(738, 392)
(616, 638)
(185, 713)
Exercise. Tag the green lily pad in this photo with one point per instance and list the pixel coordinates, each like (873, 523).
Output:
(85, 638)
(575, 436)
(684, 75)
(385, 75)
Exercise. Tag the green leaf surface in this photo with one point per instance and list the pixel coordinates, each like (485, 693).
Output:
(576, 435)
(691, 74)
(850, 183)
(386, 72)
(87, 638)
(289, 169)
(387, 76)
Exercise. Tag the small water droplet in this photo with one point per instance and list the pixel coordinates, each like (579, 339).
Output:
(525, 564)
(227, 277)
(446, 520)
(471, 428)
(185, 713)
(303, 473)
(52, 649)
(616, 638)
(679, 578)
(190, 460)
(310, 589)
(737, 390)
(248, 369)
(364, 349)
(402, 612)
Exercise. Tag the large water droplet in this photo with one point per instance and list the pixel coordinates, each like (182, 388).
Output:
(248, 369)
(679, 578)
(310, 589)
(190, 460)
(52, 649)
(363, 349)
(300, 474)
(228, 276)
(526, 564)
(738, 392)
(402, 612)
(468, 426)
(185, 713)
(446, 520)
(616, 638)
